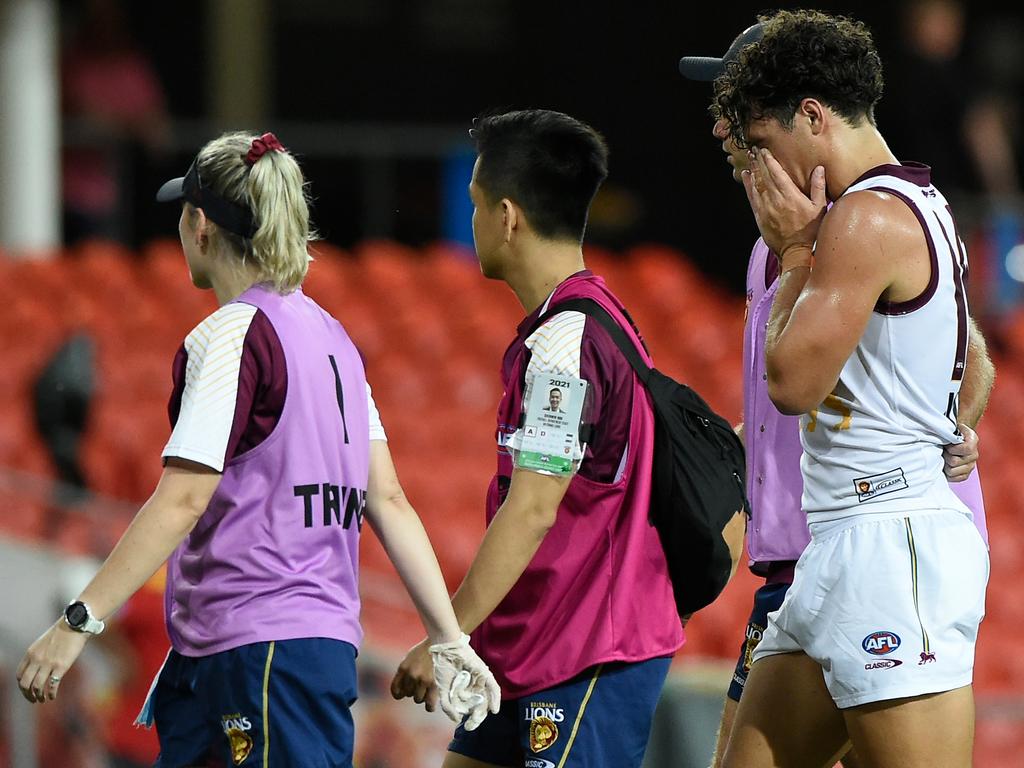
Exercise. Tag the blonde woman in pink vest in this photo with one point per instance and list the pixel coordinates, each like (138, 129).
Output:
(276, 453)
(568, 599)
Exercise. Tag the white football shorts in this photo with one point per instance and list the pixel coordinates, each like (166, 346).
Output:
(888, 604)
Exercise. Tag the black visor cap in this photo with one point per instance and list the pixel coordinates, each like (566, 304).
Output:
(224, 213)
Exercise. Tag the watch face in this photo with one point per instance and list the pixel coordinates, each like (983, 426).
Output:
(76, 615)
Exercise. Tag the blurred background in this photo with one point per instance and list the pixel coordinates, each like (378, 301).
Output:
(100, 101)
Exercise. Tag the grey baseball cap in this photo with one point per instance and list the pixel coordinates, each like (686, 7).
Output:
(707, 68)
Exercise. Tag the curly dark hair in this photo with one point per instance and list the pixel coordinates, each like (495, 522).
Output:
(803, 54)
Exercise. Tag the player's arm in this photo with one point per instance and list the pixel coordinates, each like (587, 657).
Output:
(979, 376)
(512, 539)
(530, 508)
(194, 457)
(170, 514)
(401, 533)
(820, 314)
(179, 500)
(404, 539)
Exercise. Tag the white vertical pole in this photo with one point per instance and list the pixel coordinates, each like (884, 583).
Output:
(29, 128)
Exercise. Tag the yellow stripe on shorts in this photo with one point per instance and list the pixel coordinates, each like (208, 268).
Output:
(913, 574)
(266, 714)
(579, 716)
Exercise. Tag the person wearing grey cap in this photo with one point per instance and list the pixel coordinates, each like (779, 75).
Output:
(777, 533)
(708, 68)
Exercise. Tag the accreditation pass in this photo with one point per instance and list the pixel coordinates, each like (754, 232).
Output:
(552, 409)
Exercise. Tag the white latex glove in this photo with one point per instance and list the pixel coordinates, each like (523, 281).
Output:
(466, 687)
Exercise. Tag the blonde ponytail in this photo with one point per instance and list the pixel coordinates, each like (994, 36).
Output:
(273, 189)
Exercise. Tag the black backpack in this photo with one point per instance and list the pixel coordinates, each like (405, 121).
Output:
(698, 479)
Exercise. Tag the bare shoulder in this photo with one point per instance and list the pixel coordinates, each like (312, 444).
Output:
(879, 231)
(872, 213)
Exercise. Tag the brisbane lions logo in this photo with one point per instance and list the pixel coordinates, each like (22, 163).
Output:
(543, 733)
(236, 728)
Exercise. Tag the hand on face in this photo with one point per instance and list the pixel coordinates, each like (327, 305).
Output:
(735, 156)
(784, 214)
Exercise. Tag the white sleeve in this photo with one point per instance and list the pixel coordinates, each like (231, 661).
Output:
(376, 427)
(556, 348)
(214, 358)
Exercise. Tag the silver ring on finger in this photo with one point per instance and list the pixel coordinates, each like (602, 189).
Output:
(54, 680)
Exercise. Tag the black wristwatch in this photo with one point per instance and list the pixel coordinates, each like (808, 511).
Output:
(78, 616)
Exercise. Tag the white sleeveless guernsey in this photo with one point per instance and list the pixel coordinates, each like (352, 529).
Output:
(875, 444)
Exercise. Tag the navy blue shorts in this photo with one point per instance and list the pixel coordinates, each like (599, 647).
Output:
(599, 719)
(283, 703)
(767, 599)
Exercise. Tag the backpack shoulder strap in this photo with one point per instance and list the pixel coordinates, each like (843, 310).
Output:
(592, 309)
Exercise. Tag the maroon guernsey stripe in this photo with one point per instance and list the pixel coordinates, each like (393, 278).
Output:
(912, 305)
(915, 173)
(262, 387)
(771, 269)
(960, 361)
(178, 368)
(609, 397)
(965, 268)
(611, 381)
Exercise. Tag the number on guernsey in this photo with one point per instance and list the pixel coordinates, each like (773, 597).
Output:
(340, 392)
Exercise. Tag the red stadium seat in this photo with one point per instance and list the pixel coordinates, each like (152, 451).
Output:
(1013, 334)
(451, 272)
(999, 737)
(328, 282)
(21, 446)
(24, 518)
(386, 269)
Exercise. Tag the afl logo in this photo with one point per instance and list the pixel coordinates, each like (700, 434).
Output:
(880, 643)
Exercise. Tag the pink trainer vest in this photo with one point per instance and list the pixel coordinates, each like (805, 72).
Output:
(598, 588)
(275, 555)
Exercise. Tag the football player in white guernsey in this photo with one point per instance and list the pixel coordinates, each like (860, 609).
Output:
(867, 339)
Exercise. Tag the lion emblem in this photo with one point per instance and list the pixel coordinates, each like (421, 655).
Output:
(543, 733)
(241, 745)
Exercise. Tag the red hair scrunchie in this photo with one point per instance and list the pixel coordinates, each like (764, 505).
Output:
(266, 143)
